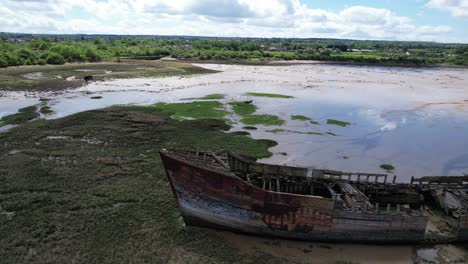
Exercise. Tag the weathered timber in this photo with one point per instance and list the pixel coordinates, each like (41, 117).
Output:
(224, 190)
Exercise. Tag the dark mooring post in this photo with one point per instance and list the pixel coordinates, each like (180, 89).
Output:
(394, 179)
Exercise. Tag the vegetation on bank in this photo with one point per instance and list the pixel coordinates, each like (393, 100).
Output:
(267, 120)
(387, 167)
(338, 122)
(279, 130)
(243, 109)
(67, 200)
(300, 117)
(59, 77)
(24, 49)
(24, 115)
(194, 110)
(271, 95)
(208, 97)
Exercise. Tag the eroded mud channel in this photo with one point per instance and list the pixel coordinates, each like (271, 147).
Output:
(89, 187)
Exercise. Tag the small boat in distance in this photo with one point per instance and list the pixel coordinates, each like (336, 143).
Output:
(227, 191)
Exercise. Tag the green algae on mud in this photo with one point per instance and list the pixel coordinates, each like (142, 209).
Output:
(300, 117)
(271, 95)
(338, 122)
(24, 115)
(194, 110)
(387, 167)
(243, 109)
(278, 131)
(208, 97)
(46, 110)
(99, 194)
(60, 77)
(267, 120)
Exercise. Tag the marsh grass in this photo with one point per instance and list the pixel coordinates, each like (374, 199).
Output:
(54, 77)
(24, 115)
(279, 130)
(243, 109)
(387, 167)
(300, 117)
(271, 95)
(267, 120)
(208, 97)
(194, 110)
(338, 123)
(46, 110)
(108, 202)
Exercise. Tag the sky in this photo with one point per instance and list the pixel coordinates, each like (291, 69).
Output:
(425, 20)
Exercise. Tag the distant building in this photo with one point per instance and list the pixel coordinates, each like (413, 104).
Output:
(362, 50)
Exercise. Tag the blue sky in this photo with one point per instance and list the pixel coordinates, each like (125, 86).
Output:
(427, 20)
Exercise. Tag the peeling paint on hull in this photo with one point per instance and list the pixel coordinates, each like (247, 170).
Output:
(214, 199)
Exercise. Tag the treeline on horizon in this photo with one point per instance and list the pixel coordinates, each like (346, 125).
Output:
(19, 49)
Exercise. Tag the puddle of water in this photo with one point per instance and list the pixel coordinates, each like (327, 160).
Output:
(14, 101)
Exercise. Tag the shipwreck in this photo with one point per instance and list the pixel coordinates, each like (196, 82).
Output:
(227, 191)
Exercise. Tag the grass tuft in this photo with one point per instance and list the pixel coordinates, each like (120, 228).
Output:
(242, 108)
(271, 95)
(267, 120)
(300, 117)
(338, 122)
(387, 167)
(24, 115)
(194, 110)
(279, 130)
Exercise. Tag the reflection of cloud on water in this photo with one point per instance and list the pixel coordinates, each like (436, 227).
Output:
(381, 120)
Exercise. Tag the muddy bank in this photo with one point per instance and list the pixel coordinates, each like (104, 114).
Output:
(90, 188)
(59, 77)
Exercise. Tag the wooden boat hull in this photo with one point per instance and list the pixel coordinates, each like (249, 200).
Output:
(215, 199)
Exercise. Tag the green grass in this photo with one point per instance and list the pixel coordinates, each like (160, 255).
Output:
(387, 167)
(194, 110)
(24, 115)
(16, 78)
(208, 97)
(271, 95)
(338, 122)
(331, 134)
(108, 202)
(213, 97)
(267, 120)
(242, 108)
(279, 130)
(314, 122)
(300, 117)
(249, 128)
(45, 110)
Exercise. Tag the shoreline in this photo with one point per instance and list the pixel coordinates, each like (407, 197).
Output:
(246, 62)
(318, 62)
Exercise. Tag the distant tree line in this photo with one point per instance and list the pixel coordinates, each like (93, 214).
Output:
(26, 49)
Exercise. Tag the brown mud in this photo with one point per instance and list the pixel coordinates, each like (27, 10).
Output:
(45, 78)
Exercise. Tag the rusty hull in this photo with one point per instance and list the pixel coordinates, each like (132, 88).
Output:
(216, 198)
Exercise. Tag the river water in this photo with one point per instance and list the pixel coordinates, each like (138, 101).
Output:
(414, 119)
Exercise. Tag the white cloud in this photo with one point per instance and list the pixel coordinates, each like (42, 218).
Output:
(457, 8)
(244, 18)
